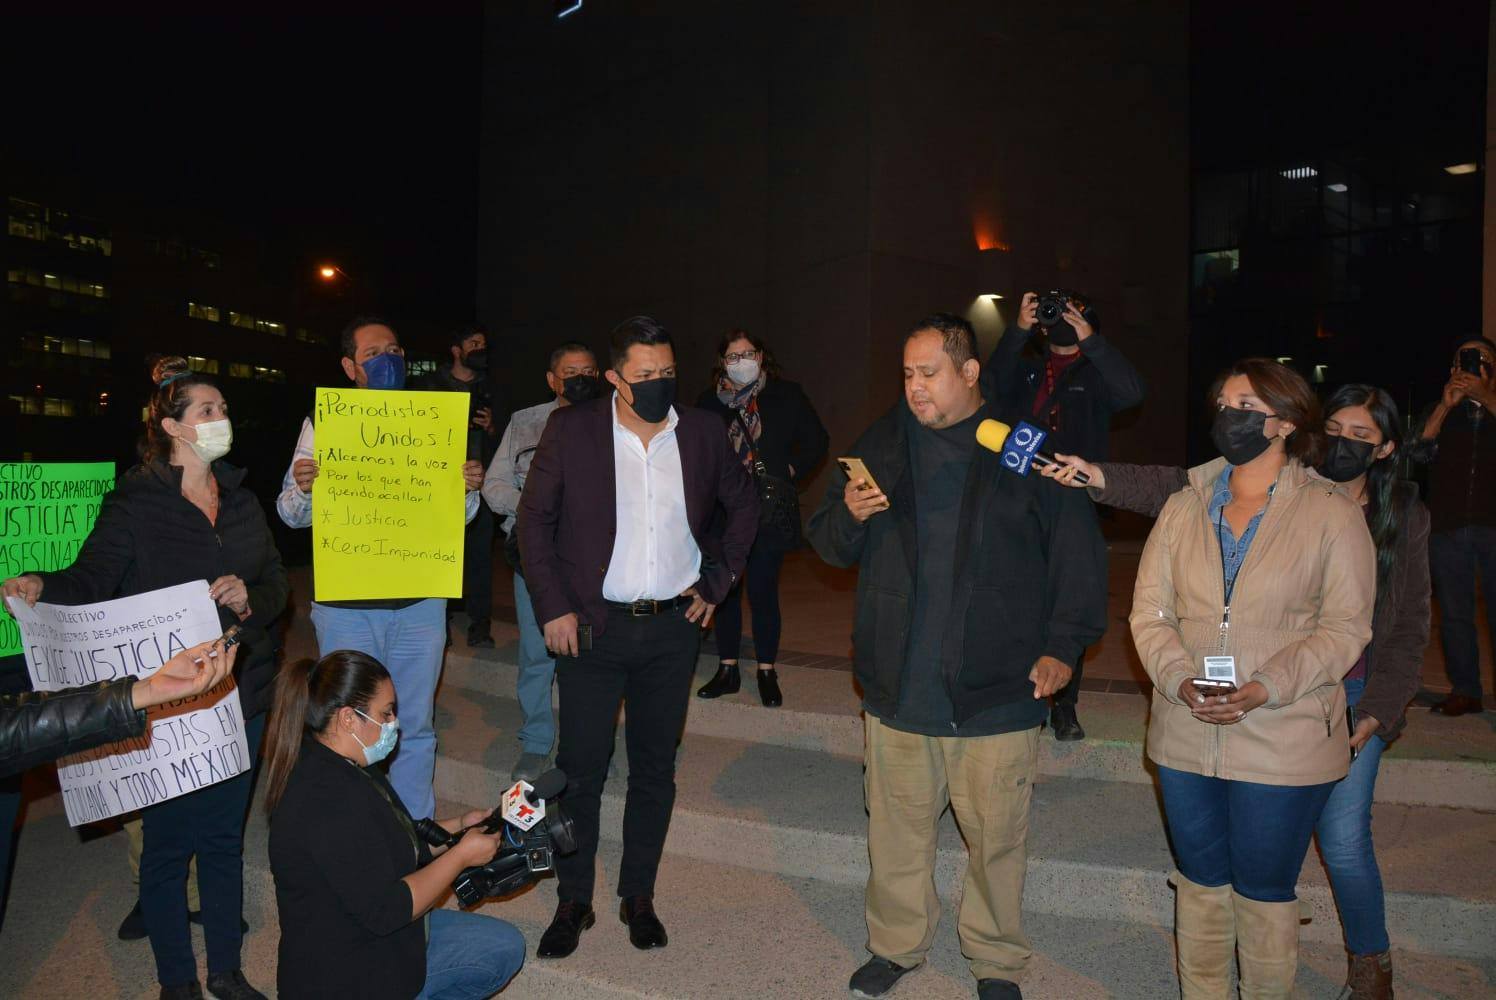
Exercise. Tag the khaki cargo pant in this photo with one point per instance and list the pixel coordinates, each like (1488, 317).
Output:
(988, 782)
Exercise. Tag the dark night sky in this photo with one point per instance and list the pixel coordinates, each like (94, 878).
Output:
(346, 134)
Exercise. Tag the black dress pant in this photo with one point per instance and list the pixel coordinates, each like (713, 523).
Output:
(647, 664)
(477, 569)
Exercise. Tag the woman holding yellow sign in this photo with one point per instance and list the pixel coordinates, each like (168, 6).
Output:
(183, 515)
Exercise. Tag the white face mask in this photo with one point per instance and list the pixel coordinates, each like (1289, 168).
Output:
(214, 439)
(743, 372)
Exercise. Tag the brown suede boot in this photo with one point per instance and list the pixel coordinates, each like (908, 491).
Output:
(1205, 938)
(1368, 977)
(1267, 946)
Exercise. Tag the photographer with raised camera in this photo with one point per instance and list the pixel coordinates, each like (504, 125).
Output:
(356, 886)
(1458, 444)
(1071, 383)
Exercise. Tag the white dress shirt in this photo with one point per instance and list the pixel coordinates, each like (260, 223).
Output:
(655, 557)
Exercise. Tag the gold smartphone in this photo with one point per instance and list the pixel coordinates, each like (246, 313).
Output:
(855, 468)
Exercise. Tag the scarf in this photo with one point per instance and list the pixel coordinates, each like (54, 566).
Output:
(745, 401)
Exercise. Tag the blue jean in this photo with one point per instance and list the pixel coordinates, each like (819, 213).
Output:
(1344, 832)
(1453, 557)
(536, 671)
(409, 642)
(1249, 836)
(469, 956)
(208, 823)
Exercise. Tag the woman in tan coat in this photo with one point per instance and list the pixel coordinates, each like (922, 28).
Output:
(1271, 573)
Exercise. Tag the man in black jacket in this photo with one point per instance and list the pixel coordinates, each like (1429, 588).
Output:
(977, 591)
(1071, 387)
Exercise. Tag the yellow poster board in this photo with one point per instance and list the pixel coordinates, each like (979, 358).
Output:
(387, 503)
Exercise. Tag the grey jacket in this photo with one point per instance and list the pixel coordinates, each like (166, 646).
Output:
(504, 479)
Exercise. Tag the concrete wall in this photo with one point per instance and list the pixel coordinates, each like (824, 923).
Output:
(821, 173)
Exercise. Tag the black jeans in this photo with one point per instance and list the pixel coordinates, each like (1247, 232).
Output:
(761, 580)
(1454, 557)
(646, 663)
(208, 823)
(1068, 694)
(477, 568)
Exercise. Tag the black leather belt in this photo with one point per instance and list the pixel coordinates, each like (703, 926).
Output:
(645, 608)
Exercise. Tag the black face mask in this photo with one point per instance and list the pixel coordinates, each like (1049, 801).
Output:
(581, 388)
(652, 399)
(1238, 434)
(1346, 458)
(476, 360)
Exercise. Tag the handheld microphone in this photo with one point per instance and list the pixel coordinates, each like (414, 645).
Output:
(523, 805)
(1019, 448)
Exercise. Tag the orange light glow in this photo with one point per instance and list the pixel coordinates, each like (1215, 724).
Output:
(328, 272)
(985, 231)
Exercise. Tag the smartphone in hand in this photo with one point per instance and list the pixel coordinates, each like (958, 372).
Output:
(1209, 687)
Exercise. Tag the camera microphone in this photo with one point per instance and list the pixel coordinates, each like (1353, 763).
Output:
(523, 805)
(1019, 448)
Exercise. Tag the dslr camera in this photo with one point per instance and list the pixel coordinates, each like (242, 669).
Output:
(523, 855)
(1052, 305)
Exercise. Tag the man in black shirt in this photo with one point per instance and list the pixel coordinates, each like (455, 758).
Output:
(468, 372)
(977, 590)
(1458, 444)
(1071, 386)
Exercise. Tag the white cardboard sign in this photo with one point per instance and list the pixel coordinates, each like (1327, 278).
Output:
(187, 744)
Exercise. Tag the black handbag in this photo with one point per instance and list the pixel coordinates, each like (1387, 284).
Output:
(778, 499)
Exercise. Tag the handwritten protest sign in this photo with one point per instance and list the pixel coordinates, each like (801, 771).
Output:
(46, 511)
(187, 745)
(387, 504)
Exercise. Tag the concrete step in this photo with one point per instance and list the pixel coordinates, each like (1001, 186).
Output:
(1097, 848)
(1438, 762)
(779, 937)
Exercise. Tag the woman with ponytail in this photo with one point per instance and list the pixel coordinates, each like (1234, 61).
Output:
(1364, 433)
(182, 515)
(356, 886)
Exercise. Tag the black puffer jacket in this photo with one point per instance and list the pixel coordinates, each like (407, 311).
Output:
(149, 536)
(37, 728)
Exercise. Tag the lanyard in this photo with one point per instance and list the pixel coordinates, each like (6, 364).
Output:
(1228, 583)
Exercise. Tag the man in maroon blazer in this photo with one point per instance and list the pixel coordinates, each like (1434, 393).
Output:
(624, 572)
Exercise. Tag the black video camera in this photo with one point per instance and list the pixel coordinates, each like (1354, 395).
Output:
(523, 855)
(1053, 303)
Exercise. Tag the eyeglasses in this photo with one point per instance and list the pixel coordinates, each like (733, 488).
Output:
(736, 356)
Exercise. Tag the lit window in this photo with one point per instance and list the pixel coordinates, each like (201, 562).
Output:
(206, 366)
(241, 320)
(44, 406)
(267, 326)
(420, 367)
(269, 374)
(198, 310)
(240, 370)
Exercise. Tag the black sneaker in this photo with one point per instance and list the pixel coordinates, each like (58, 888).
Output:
(133, 928)
(480, 636)
(1066, 728)
(876, 977)
(232, 985)
(998, 989)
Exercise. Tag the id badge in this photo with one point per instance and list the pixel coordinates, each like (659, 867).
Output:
(1220, 668)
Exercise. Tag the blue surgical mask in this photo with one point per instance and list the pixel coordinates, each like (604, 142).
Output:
(389, 732)
(385, 371)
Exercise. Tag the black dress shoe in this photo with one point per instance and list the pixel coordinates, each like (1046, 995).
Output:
(480, 636)
(561, 937)
(645, 929)
(998, 989)
(727, 680)
(1459, 704)
(1065, 725)
(182, 991)
(133, 927)
(232, 985)
(768, 688)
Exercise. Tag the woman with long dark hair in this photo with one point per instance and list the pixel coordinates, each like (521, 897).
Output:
(1364, 434)
(355, 885)
(183, 514)
(1261, 577)
(775, 432)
